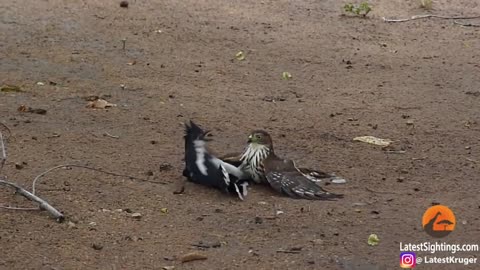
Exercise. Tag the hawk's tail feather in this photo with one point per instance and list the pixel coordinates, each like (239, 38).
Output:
(329, 196)
(319, 176)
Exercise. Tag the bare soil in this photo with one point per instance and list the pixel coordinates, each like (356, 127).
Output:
(416, 83)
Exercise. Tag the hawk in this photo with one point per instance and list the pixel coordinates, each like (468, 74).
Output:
(260, 162)
(203, 168)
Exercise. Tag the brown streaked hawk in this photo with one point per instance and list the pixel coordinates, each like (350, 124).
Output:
(261, 163)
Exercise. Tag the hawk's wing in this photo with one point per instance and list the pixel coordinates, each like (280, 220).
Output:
(285, 178)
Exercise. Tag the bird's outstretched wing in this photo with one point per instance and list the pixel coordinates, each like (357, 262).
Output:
(203, 168)
(285, 178)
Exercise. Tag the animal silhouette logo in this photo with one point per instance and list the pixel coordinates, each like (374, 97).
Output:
(438, 221)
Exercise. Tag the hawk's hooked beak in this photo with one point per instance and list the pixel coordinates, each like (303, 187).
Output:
(250, 137)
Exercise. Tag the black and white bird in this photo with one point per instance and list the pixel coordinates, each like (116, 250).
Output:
(203, 168)
(260, 162)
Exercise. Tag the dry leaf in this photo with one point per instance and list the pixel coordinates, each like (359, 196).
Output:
(193, 256)
(286, 75)
(373, 239)
(24, 108)
(240, 56)
(10, 88)
(100, 104)
(373, 140)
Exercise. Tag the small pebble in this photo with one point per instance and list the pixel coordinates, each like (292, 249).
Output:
(317, 242)
(124, 4)
(97, 246)
(165, 167)
(136, 215)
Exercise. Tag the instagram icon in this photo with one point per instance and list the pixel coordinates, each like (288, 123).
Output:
(408, 260)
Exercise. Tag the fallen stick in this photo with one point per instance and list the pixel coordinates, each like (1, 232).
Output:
(110, 135)
(471, 160)
(288, 251)
(3, 156)
(380, 192)
(426, 16)
(20, 208)
(395, 152)
(42, 203)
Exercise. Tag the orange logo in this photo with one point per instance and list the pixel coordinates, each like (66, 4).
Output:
(438, 221)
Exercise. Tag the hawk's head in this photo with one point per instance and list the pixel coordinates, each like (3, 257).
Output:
(258, 148)
(260, 137)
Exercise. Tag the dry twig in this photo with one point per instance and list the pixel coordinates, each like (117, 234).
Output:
(288, 251)
(380, 192)
(471, 160)
(466, 24)
(110, 135)
(42, 203)
(426, 16)
(20, 208)
(395, 152)
(3, 156)
(88, 168)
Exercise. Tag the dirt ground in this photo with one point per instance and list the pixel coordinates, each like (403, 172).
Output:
(416, 83)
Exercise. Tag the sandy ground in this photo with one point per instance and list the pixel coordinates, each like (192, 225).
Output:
(416, 83)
